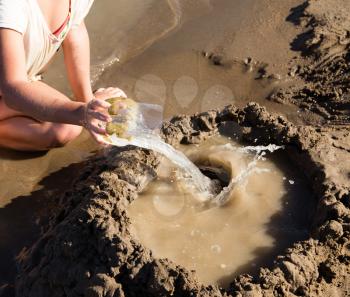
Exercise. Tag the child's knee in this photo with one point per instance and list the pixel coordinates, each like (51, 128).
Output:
(60, 134)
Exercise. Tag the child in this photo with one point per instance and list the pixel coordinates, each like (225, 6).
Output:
(34, 116)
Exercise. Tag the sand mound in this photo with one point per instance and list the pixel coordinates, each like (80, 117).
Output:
(88, 249)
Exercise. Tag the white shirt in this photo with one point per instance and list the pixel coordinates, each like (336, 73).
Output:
(25, 17)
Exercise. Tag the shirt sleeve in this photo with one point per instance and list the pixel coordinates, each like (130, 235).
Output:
(14, 15)
(81, 9)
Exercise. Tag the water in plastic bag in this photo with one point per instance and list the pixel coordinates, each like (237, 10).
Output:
(138, 124)
(132, 120)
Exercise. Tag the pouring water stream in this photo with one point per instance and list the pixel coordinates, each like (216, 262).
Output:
(137, 125)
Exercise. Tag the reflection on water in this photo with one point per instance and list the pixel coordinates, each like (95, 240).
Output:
(219, 242)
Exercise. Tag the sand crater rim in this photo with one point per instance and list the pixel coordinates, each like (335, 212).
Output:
(223, 241)
(95, 218)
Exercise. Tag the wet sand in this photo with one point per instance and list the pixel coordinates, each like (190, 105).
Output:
(149, 66)
(185, 63)
(29, 183)
(176, 66)
(157, 51)
(90, 238)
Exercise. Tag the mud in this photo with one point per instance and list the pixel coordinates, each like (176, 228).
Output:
(88, 249)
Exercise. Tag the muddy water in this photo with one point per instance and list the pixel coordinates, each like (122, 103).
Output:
(262, 217)
(154, 50)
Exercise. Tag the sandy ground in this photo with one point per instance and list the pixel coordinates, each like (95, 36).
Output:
(150, 49)
(299, 63)
(90, 239)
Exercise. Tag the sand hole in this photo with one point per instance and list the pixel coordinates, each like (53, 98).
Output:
(266, 214)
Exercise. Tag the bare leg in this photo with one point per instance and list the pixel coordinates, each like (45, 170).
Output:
(7, 112)
(20, 132)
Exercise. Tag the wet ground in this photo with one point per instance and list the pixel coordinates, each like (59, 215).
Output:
(198, 55)
(140, 50)
(91, 238)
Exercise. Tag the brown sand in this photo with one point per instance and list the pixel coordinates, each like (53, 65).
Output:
(151, 40)
(89, 250)
(90, 242)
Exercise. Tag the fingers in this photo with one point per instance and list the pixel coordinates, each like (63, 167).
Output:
(96, 103)
(117, 92)
(95, 115)
(94, 128)
(96, 112)
(98, 133)
(100, 139)
(106, 93)
(97, 109)
(104, 117)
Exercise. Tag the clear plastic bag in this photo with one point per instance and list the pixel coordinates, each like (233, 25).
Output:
(132, 122)
(137, 124)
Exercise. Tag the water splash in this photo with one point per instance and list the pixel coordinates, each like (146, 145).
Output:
(260, 152)
(194, 178)
(248, 149)
(138, 124)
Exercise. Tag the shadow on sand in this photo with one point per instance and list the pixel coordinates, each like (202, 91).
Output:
(22, 219)
(300, 43)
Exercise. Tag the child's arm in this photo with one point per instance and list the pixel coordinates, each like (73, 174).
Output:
(32, 98)
(76, 48)
(36, 99)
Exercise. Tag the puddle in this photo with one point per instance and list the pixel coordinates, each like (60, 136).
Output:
(265, 215)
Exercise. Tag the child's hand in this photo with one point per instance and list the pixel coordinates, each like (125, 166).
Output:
(95, 118)
(104, 94)
(96, 114)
